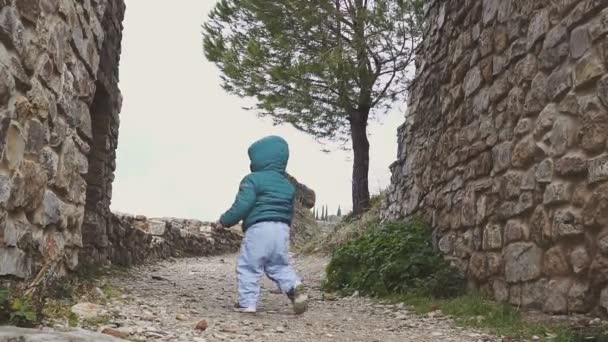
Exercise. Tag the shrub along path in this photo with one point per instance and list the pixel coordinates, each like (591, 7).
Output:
(186, 291)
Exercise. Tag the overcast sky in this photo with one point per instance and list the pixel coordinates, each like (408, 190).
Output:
(183, 141)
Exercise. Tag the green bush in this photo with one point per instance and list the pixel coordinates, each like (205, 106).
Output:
(16, 310)
(393, 259)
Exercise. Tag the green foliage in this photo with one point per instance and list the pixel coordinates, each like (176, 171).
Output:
(312, 64)
(17, 310)
(393, 258)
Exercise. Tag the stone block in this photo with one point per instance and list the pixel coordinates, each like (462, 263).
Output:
(492, 237)
(14, 262)
(566, 224)
(588, 69)
(533, 294)
(525, 152)
(557, 193)
(557, 296)
(555, 262)
(523, 262)
(571, 165)
(579, 259)
(15, 146)
(472, 81)
(598, 169)
(515, 231)
(544, 171)
(580, 42)
(157, 228)
(593, 131)
(501, 156)
(563, 135)
(539, 25)
(580, 297)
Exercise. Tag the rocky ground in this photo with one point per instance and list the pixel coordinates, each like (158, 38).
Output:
(166, 301)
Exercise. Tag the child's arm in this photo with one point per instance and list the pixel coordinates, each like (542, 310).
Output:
(242, 205)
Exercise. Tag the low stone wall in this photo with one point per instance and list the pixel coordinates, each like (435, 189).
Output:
(137, 239)
(504, 149)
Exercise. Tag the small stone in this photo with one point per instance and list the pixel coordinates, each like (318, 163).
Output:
(181, 317)
(201, 325)
(228, 330)
(87, 311)
(280, 330)
(119, 333)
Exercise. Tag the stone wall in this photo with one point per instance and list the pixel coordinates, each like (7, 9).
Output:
(504, 149)
(59, 103)
(139, 239)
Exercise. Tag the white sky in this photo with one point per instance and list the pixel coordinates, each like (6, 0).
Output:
(183, 141)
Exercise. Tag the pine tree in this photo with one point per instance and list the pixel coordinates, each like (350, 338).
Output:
(326, 67)
(339, 214)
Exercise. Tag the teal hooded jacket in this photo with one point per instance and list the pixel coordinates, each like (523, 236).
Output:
(265, 194)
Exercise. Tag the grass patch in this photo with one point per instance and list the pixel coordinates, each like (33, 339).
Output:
(475, 310)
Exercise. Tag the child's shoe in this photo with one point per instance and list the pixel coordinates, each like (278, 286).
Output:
(299, 299)
(239, 308)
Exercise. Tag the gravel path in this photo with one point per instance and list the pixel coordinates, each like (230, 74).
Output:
(165, 301)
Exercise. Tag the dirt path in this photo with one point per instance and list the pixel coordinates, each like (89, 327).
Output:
(190, 290)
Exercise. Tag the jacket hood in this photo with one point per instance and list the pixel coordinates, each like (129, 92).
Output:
(269, 153)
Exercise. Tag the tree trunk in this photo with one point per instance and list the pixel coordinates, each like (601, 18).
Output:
(358, 129)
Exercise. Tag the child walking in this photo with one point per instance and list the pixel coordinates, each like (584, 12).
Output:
(265, 204)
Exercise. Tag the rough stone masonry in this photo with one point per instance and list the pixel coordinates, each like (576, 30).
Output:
(504, 148)
(59, 105)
